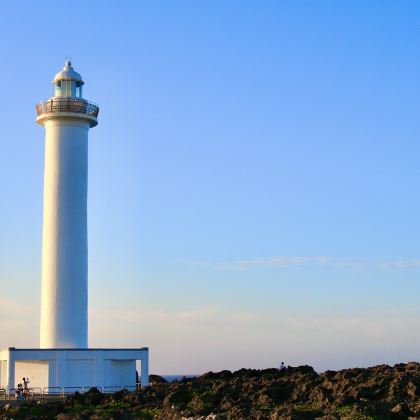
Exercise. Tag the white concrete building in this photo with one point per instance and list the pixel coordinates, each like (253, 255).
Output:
(68, 369)
(64, 359)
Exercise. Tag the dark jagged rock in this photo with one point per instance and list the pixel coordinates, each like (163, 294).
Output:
(296, 393)
(156, 379)
(93, 397)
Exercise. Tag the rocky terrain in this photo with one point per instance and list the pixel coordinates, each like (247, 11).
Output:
(380, 392)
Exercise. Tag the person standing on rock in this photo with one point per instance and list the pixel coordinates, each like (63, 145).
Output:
(282, 367)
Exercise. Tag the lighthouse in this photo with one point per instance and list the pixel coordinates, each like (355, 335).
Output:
(67, 118)
(64, 360)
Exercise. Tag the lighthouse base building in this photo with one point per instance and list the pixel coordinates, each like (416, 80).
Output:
(64, 363)
(52, 371)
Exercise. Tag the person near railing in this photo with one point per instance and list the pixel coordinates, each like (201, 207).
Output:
(25, 387)
(19, 392)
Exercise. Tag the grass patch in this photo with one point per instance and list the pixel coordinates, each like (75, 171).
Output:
(349, 412)
(308, 407)
(114, 408)
(263, 407)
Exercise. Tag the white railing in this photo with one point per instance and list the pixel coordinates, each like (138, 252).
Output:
(88, 388)
(53, 390)
(61, 391)
(80, 106)
(72, 389)
(35, 392)
(111, 389)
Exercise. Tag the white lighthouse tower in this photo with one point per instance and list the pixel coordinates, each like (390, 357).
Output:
(67, 118)
(64, 362)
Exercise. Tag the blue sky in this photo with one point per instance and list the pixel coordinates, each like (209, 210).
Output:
(252, 181)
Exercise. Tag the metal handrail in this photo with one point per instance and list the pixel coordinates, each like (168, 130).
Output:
(111, 389)
(47, 390)
(35, 391)
(88, 388)
(59, 390)
(72, 389)
(79, 106)
(15, 392)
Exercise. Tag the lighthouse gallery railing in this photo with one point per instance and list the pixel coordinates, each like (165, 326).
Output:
(67, 105)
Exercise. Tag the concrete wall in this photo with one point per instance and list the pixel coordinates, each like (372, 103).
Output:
(120, 373)
(73, 367)
(36, 371)
(80, 373)
(3, 373)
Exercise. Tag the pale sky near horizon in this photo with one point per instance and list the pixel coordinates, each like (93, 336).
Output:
(253, 180)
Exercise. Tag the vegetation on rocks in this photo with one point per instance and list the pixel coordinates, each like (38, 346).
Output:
(380, 392)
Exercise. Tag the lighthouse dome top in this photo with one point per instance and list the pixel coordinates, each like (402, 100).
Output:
(68, 73)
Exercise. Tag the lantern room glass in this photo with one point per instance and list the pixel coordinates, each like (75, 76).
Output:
(78, 90)
(57, 88)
